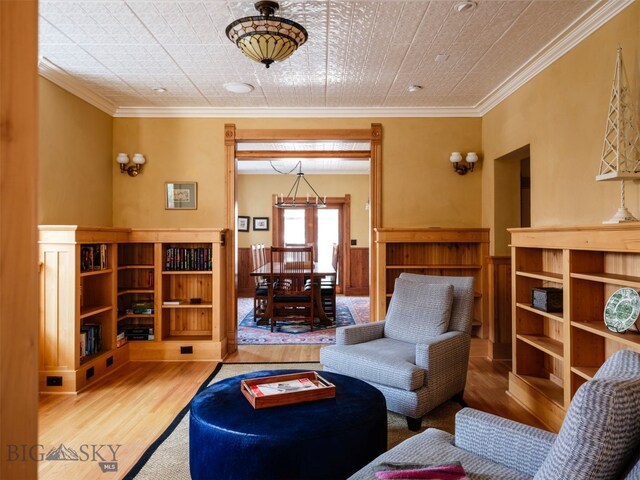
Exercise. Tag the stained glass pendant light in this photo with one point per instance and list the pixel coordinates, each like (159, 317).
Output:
(266, 38)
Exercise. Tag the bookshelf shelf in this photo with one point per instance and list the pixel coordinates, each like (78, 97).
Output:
(90, 311)
(557, 316)
(555, 353)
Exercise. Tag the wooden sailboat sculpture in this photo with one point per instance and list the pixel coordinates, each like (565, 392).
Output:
(621, 150)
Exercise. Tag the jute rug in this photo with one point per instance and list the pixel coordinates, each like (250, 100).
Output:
(168, 457)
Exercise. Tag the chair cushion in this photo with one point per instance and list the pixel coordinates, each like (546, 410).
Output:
(418, 311)
(601, 430)
(384, 361)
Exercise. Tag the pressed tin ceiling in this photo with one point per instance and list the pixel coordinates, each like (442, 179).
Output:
(361, 57)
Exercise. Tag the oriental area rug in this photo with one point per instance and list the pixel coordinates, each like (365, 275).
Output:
(351, 311)
(168, 457)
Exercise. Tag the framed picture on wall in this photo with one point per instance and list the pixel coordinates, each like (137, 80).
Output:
(243, 223)
(180, 195)
(261, 223)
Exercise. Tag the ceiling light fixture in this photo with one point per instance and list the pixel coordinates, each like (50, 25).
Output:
(238, 87)
(265, 38)
(465, 5)
(442, 57)
(414, 88)
(291, 200)
(159, 89)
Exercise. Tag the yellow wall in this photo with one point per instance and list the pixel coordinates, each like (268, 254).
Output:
(255, 194)
(75, 160)
(561, 113)
(419, 187)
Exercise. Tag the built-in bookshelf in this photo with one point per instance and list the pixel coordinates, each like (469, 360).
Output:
(432, 251)
(136, 293)
(556, 352)
(110, 295)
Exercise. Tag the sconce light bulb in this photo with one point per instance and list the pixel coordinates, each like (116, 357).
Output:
(472, 157)
(122, 158)
(139, 159)
(455, 157)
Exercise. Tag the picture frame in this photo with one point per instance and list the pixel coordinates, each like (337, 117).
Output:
(243, 223)
(181, 195)
(261, 224)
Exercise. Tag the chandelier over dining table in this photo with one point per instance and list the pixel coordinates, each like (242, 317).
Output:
(291, 199)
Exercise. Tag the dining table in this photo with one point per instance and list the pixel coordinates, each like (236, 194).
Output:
(320, 271)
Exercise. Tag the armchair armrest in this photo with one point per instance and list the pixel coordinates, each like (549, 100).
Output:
(365, 332)
(439, 351)
(503, 441)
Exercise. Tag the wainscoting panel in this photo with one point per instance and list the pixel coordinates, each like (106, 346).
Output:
(499, 272)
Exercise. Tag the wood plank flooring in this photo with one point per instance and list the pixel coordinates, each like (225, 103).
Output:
(133, 407)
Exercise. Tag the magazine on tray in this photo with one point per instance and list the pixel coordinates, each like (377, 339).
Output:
(286, 386)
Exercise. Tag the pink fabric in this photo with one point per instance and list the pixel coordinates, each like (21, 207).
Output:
(437, 472)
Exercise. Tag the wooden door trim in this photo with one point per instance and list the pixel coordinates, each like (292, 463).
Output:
(234, 136)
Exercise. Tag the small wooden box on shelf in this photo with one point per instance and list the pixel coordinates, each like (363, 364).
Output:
(556, 352)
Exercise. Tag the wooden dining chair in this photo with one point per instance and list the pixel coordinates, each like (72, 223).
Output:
(328, 287)
(290, 298)
(260, 291)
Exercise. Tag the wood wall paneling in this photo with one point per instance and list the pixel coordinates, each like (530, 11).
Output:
(18, 237)
(499, 285)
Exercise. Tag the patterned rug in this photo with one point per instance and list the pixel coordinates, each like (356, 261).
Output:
(351, 311)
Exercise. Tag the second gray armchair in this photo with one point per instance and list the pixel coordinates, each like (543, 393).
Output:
(419, 355)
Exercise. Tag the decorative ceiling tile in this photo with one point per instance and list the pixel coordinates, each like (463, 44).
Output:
(360, 54)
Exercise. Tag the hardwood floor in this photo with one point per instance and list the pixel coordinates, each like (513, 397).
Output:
(132, 407)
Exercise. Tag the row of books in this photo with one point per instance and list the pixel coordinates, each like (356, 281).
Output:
(188, 259)
(93, 257)
(129, 332)
(140, 308)
(90, 339)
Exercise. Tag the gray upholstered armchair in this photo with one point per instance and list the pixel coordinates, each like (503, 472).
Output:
(599, 438)
(418, 356)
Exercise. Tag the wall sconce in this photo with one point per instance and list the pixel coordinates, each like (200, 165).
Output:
(456, 158)
(132, 170)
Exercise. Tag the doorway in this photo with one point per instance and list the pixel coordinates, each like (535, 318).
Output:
(512, 196)
(233, 155)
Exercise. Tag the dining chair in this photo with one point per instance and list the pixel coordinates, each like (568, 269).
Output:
(290, 297)
(260, 291)
(328, 286)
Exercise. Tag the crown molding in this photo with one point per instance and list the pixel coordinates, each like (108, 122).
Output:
(575, 33)
(64, 80)
(284, 112)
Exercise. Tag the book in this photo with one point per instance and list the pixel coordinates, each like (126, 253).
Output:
(286, 386)
(173, 301)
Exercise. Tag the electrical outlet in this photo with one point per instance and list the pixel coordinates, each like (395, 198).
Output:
(54, 381)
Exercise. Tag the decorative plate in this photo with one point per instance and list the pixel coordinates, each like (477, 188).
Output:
(622, 310)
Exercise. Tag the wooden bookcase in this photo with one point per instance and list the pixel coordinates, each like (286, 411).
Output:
(555, 353)
(128, 289)
(432, 251)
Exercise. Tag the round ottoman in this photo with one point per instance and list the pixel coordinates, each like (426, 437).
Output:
(324, 439)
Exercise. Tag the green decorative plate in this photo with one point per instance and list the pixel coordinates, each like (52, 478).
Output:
(622, 310)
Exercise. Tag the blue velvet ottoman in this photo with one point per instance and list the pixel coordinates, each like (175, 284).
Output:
(324, 439)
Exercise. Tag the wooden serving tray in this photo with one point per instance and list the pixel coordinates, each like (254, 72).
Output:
(279, 390)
